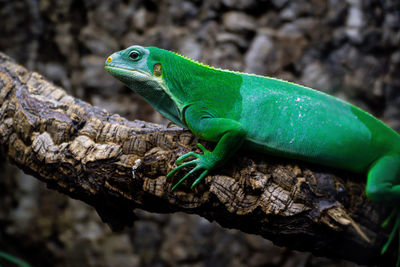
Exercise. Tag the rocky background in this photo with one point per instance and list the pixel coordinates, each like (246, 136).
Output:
(350, 49)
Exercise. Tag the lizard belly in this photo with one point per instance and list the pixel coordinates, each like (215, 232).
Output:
(307, 125)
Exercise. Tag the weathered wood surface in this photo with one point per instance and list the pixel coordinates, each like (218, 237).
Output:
(118, 165)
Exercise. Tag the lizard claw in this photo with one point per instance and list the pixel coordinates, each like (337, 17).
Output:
(395, 215)
(203, 162)
(185, 156)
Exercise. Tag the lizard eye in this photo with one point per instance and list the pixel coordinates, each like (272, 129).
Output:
(134, 55)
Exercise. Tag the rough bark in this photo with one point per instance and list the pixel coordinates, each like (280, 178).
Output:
(118, 165)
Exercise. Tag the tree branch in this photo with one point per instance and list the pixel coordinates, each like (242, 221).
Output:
(118, 165)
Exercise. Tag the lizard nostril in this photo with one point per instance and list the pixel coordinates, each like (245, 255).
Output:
(109, 59)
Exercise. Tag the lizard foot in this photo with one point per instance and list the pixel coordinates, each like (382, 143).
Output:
(204, 162)
(394, 216)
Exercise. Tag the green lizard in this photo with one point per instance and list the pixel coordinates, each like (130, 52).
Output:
(263, 114)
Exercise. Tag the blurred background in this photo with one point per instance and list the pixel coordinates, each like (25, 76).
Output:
(350, 49)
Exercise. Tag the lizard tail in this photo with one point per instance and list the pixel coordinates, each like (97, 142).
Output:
(13, 259)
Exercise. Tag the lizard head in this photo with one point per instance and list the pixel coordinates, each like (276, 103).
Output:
(131, 66)
(140, 68)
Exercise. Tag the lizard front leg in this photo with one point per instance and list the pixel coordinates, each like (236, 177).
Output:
(228, 133)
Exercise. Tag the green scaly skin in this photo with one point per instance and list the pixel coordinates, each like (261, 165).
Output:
(262, 114)
(14, 260)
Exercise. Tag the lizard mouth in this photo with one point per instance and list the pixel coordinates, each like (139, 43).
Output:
(124, 73)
